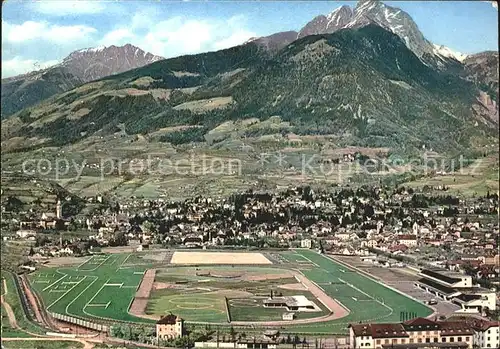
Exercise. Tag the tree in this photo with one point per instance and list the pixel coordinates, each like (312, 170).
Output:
(296, 339)
(118, 331)
(119, 239)
(13, 204)
(127, 332)
(73, 225)
(232, 333)
(469, 269)
(60, 225)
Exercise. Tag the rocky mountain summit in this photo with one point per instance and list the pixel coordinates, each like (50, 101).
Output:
(79, 67)
(96, 63)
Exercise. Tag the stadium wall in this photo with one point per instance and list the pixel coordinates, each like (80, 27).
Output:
(84, 323)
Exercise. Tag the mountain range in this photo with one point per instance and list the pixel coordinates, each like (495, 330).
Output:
(366, 75)
(375, 12)
(79, 67)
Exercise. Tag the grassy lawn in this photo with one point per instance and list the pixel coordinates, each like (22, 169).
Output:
(7, 331)
(196, 306)
(92, 289)
(199, 294)
(251, 309)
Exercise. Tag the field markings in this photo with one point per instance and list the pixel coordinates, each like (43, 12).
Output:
(78, 296)
(65, 293)
(95, 295)
(97, 267)
(310, 261)
(366, 294)
(55, 282)
(100, 305)
(87, 260)
(124, 261)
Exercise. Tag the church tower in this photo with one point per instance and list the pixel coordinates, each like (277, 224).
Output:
(59, 209)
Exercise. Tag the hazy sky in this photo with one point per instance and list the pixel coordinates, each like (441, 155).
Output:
(44, 32)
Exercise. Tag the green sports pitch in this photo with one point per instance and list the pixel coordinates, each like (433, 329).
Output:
(104, 287)
(366, 299)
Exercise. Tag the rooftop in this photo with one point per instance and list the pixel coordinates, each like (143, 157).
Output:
(169, 319)
(449, 277)
(296, 301)
(445, 289)
(379, 330)
(419, 324)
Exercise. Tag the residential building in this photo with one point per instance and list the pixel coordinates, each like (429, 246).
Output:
(306, 243)
(25, 233)
(169, 326)
(415, 333)
(408, 240)
(486, 333)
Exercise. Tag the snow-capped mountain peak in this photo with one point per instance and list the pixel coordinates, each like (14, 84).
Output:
(339, 18)
(91, 49)
(449, 53)
(366, 5)
(390, 18)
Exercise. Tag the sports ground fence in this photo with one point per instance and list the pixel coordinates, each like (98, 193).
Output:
(80, 322)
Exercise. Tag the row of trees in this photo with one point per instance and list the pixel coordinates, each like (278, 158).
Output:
(133, 333)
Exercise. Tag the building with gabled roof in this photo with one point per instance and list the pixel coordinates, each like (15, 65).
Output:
(169, 326)
(415, 333)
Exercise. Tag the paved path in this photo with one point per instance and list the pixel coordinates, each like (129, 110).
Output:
(334, 306)
(10, 313)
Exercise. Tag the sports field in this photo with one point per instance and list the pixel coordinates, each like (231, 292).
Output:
(104, 286)
(101, 287)
(216, 294)
(366, 299)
